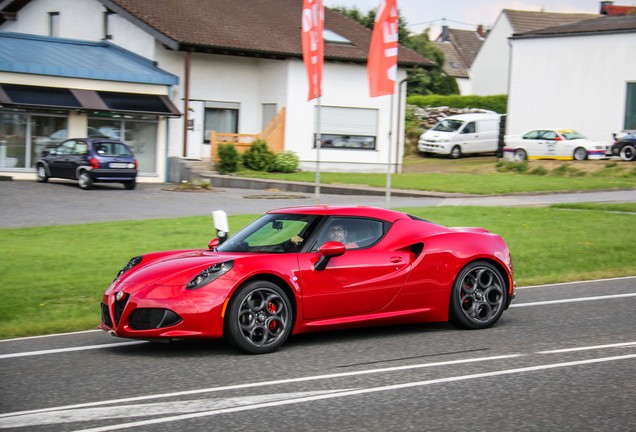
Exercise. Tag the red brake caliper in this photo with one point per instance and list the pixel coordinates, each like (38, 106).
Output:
(272, 308)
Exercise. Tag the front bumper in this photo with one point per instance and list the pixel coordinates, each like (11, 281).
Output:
(431, 147)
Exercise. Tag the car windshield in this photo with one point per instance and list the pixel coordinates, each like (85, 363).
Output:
(112, 149)
(273, 233)
(448, 125)
(571, 135)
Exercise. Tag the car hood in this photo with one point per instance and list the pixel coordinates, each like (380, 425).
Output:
(431, 134)
(176, 269)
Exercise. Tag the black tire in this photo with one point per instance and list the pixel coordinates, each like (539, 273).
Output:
(130, 185)
(520, 155)
(259, 318)
(456, 152)
(478, 297)
(628, 152)
(41, 173)
(579, 154)
(85, 181)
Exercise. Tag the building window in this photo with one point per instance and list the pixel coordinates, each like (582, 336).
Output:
(630, 107)
(107, 24)
(54, 24)
(139, 132)
(348, 128)
(220, 120)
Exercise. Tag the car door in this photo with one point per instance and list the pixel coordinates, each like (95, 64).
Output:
(549, 143)
(364, 279)
(468, 138)
(78, 157)
(60, 163)
(533, 144)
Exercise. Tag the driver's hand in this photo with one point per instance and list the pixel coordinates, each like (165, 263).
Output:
(296, 240)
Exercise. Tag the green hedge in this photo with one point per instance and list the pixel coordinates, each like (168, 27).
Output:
(495, 103)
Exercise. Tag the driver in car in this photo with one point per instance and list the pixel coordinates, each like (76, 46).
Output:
(339, 233)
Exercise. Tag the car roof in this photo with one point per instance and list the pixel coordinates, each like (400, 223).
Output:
(361, 211)
(473, 116)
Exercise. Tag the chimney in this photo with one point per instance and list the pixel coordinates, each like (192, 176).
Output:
(445, 33)
(481, 32)
(603, 5)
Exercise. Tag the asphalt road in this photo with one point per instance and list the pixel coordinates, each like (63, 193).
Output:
(61, 202)
(561, 358)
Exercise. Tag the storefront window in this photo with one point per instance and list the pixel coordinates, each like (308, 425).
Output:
(13, 140)
(46, 133)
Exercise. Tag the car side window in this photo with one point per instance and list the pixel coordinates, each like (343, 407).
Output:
(65, 148)
(549, 135)
(81, 148)
(469, 128)
(354, 233)
(531, 135)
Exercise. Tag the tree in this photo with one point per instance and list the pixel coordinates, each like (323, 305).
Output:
(368, 20)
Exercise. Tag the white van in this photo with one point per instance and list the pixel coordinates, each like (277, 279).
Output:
(464, 133)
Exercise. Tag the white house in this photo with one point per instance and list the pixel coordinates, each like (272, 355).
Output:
(489, 71)
(578, 76)
(460, 48)
(235, 66)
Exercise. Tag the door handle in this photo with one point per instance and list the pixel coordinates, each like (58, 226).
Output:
(396, 259)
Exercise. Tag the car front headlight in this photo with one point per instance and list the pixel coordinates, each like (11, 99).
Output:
(443, 140)
(599, 148)
(133, 262)
(209, 274)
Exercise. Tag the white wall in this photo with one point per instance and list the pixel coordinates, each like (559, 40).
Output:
(465, 86)
(571, 82)
(489, 71)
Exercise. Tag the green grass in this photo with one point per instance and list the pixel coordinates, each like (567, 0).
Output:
(606, 207)
(481, 184)
(53, 277)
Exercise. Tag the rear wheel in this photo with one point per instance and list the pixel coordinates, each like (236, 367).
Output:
(580, 154)
(85, 181)
(41, 173)
(456, 152)
(478, 297)
(520, 155)
(259, 318)
(628, 152)
(130, 185)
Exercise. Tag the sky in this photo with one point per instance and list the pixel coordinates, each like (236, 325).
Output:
(468, 14)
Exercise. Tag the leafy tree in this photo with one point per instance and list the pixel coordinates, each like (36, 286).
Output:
(368, 20)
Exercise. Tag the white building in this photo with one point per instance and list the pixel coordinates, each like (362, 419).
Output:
(578, 76)
(460, 49)
(489, 70)
(239, 63)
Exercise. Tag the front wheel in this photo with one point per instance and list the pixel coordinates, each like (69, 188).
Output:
(478, 297)
(580, 154)
(85, 181)
(41, 173)
(456, 152)
(628, 152)
(520, 155)
(259, 318)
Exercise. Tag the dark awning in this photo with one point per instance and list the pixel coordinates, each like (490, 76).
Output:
(51, 97)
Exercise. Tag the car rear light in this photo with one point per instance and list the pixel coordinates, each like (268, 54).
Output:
(94, 163)
(135, 163)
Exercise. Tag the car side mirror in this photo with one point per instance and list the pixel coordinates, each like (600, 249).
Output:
(213, 243)
(329, 250)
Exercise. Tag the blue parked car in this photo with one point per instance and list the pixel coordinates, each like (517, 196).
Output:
(89, 160)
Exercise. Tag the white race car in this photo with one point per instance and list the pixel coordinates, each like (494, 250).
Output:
(563, 144)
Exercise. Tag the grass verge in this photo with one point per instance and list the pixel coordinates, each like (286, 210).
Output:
(53, 277)
(611, 207)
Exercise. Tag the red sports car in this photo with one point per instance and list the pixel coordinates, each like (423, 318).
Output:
(303, 269)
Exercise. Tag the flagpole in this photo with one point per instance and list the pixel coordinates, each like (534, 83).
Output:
(318, 143)
(388, 165)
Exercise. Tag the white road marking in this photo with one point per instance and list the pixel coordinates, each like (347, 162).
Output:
(50, 335)
(572, 300)
(263, 384)
(355, 393)
(576, 282)
(142, 410)
(616, 345)
(62, 350)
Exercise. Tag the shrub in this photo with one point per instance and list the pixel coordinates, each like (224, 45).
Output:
(561, 170)
(516, 167)
(229, 159)
(259, 157)
(539, 171)
(497, 103)
(286, 161)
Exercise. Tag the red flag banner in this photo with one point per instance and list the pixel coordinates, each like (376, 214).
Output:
(313, 44)
(382, 65)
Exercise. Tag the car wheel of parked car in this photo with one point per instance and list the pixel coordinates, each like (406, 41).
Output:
(259, 318)
(456, 152)
(628, 152)
(85, 181)
(130, 185)
(478, 297)
(41, 173)
(520, 155)
(580, 154)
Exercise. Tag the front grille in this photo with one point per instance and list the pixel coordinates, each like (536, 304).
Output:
(106, 316)
(152, 318)
(119, 308)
